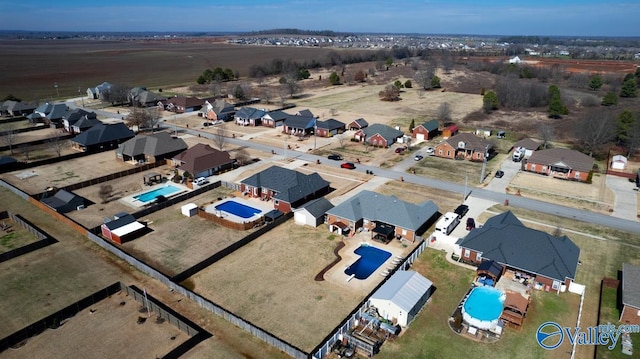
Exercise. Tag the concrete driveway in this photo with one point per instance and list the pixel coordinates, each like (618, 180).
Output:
(625, 204)
(510, 170)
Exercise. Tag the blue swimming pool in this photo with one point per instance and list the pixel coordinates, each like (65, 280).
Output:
(483, 306)
(370, 259)
(238, 209)
(166, 190)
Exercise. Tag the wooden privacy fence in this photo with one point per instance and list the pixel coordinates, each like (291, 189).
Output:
(43, 238)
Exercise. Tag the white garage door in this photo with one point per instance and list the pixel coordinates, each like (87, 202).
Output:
(420, 137)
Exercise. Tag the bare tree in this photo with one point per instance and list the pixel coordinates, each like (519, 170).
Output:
(10, 137)
(290, 83)
(242, 156)
(26, 150)
(341, 139)
(390, 93)
(447, 61)
(423, 78)
(56, 143)
(117, 94)
(333, 112)
(444, 113)
(594, 129)
(546, 133)
(142, 118)
(220, 136)
(105, 192)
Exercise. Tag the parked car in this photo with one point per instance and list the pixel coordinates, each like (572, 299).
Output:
(200, 181)
(471, 224)
(461, 210)
(430, 151)
(348, 165)
(207, 124)
(334, 157)
(499, 174)
(399, 150)
(418, 157)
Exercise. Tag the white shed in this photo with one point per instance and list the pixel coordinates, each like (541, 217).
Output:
(402, 296)
(312, 213)
(189, 209)
(619, 162)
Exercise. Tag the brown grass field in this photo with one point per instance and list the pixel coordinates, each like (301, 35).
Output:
(15, 236)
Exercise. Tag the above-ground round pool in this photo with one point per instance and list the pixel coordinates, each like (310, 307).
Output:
(483, 306)
(370, 259)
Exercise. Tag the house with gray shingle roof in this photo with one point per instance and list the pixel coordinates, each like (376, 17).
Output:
(151, 148)
(426, 130)
(183, 104)
(547, 260)
(312, 213)
(64, 201)
(74, 116)
(219, 110)
(102, 137)
(299, 125)
(287, 188)
(49, 113)
(17, 108)
(203, 160)
(376, 213)
(98, 91)
(560, 163)
(330, 127)
(464, 146)
(630, 294)
(140, 96)
(378, 135)
(274, 118)
(358, 124)
(249, 116)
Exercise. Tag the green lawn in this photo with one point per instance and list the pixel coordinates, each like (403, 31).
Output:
(609, 313)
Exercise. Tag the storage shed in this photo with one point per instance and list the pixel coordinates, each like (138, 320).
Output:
(123, 227)
(312, 213)
(402, 296)
(189, 210)
(619, 162)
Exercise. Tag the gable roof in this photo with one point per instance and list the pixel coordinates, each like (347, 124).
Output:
(290, 186)
(564, 157)
(86, 122)
(75, 115)
(431, 125)
(202, 157)
(330, 124)
(104, 133)
(527, 143)
(387, 132)
(317, 207)
(471, 142)
(277, 115)
(388, 209)
(631, 285)
(6, 160)
(504, 239)
(61, 198)
(185, 101)
(361, 123)
(156, 144)
(250, 113)
(296, 121)
(305, 113)
(122, 220)
(404, 289)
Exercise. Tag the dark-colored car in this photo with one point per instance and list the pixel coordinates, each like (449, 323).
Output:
(461, 210)
(348, 165)
(399, 150)
(471, 224)
(418, 157)
(499, 174)
(334, 157)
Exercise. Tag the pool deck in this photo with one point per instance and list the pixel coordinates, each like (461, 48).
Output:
(263, 206)
(133, 202)
(337, 276)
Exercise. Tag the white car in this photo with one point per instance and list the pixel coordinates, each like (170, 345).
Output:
(430, 151)
(200, 181)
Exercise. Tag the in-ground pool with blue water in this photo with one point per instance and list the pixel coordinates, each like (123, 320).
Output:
(238, 209)
(162, 191)
(484, 303)
(370, 259)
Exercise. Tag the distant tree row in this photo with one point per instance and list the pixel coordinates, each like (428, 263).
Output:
(285, 31)
(218, 75)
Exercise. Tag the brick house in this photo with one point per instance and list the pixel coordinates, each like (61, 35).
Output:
(149, 149)
(329, 128)
(425, 131)
(545, 261)
(202, 161)
(630, 294)
(183, 104)
(378, 135)
(560, 163)
(464, 146)
(219, 110)
(358, 124)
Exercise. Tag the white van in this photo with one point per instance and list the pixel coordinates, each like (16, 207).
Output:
(447, 223)
(200, 181)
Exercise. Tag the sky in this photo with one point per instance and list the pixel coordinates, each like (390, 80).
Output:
(488, 17)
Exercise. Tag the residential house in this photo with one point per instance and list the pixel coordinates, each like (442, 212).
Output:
(312, 213)
(7, 163)
(150, 148)
(122, 228)
(73, 116)
(220, 110)
(305, 113)
(464, 146)
(203, 160)
(449, 131)
(274, 118)
(630, 294)
(543, 260)
(378, 135)
(288, 188)
(528, 145)
(358, 124)
(102, 137)
(401, 298)
(139, 96)
(425, 131)
(183, 104)
(84, 123)
(561, 163)
(382, 215)
(64, 201)
(329, 128)
(17, 108)
(249, 116)
(49, 114)
(98, 91)
(299, 125)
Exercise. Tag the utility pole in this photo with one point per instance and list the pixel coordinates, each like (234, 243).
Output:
(315, 130)
(484, 163)
(55, 85)
(81, 97)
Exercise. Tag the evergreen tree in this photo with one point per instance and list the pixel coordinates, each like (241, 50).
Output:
(412, 125)
(596, 82)
(610, 99)
(435, 82)
(334, 79)
(629, 88)
(489, 101)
